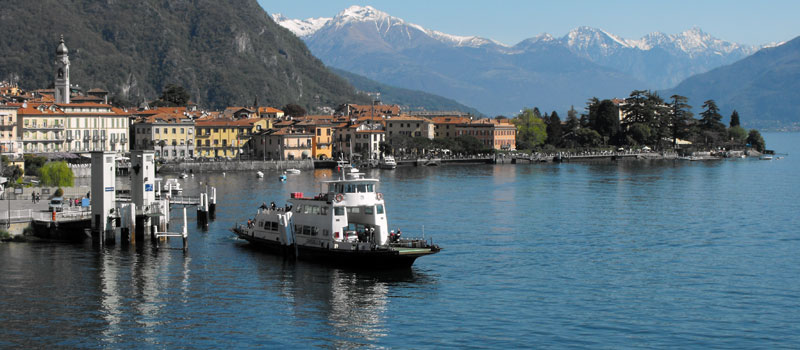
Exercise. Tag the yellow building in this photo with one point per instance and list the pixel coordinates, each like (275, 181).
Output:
(225, 137)
(322, 142)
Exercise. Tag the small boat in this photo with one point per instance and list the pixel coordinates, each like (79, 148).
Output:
(388, 162)
(292, 171)
(172, 186)
(282, 177)
(259, 174)
(347, 225)
(765, 157)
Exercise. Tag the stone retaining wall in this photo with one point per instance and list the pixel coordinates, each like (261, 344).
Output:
(246, 165)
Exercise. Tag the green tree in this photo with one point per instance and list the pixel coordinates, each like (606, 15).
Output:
(33, 163)
(735, 119)
(680, 113)
(640, 133)
(737, 135)
(756, 141)
(711, 125)
(293, 110)
(57, 174)
(604, 118)
(470, 145)
(174, 95)
(554, 132)
(531, 129)
(588, 137)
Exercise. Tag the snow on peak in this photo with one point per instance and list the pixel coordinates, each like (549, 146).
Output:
(357, 13)
(301, 27)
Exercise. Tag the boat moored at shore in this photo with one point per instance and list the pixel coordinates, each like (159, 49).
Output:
(347, 225)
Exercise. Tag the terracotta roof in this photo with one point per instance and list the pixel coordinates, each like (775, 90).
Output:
(406, 118)
(269, 110)
(450, 120)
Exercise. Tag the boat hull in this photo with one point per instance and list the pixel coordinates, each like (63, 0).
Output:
(362, 259)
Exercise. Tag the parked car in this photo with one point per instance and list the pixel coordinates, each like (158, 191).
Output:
(56, 204)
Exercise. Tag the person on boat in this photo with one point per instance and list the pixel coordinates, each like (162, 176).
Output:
(272, 205)
(391, 236)
(397, 236)
(263, 205)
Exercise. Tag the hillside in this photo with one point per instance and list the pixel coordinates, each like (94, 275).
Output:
(764, 88)
(407, 99)
(224, 53)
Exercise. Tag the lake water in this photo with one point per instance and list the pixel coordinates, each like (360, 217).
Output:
(629, 254)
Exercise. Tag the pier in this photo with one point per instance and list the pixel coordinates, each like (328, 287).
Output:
(129, 215)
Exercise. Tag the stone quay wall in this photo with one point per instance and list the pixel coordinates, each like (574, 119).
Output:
(228, 166)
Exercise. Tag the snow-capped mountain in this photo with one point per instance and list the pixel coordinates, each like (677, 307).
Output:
(301, 27)
(479, 71)
(384, 23)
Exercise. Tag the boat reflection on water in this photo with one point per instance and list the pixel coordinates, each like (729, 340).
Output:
(352, 304)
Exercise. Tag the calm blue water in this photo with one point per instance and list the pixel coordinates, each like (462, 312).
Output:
(647, 254)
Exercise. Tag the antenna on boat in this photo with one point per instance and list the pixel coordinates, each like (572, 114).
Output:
(423, 232)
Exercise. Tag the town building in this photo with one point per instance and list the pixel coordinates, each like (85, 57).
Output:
(283, 144)
(447, 126)
(492, 133)
(171, 135)
(322, 142)
(409, 126)
(226, 137)
(354, 140)
(269, 112)
(10, 143)
(73, 127)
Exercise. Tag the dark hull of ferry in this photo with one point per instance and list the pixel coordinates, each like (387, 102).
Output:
(362, 259)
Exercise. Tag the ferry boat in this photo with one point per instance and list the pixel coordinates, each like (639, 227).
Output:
(388, 162)
(347, 225)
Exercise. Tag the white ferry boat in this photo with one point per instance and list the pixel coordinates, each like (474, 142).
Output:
(388, 162)
(347, 225)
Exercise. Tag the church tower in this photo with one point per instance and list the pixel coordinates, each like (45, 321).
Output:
(62, 73)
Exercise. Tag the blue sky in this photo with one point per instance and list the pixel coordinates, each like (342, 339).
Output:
(510, 21)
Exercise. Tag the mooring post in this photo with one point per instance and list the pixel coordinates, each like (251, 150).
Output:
(185, 232)
(212, 206)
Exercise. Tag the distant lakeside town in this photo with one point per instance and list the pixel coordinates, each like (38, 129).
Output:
(64, 122)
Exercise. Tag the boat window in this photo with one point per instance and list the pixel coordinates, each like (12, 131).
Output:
(338, 211)
(299, 208)
(353, 210)
(368, 210)
(323, 211)
(362, 188)
(274, 226)
(307, 209)
(350, 188)
(331, 187)
(307, 230)
(380, 208)
(314, 231)
(315, 210)
(370, 188)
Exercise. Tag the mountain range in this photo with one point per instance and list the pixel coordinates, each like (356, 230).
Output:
(543, 71)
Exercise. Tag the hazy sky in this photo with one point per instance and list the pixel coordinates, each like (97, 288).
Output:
(510, 21)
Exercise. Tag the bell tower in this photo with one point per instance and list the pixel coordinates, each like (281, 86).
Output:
(62, 73)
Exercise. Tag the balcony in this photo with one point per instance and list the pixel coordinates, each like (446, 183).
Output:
(43, 127)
